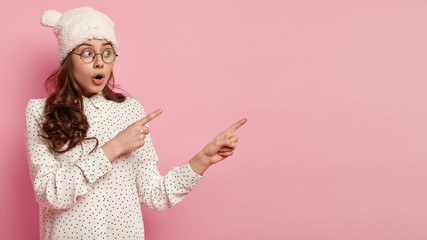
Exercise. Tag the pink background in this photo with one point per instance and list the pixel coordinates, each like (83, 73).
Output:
(334, 93)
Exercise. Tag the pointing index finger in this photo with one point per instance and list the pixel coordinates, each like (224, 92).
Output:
(236, 126)
(150, 116)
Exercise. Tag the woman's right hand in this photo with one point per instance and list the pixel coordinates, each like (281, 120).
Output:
(132, 138)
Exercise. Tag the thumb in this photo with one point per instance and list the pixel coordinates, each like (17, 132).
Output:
(225, 143)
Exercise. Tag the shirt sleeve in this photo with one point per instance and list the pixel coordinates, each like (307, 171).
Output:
(155, 191)
(55, 186)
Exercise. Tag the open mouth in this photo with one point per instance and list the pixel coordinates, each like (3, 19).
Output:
(98, 79)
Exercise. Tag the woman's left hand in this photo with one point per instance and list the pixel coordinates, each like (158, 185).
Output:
(221, 147)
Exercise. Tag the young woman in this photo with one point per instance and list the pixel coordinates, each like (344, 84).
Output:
(90, 154)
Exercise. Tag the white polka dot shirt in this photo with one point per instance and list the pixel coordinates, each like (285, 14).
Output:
(84, 196)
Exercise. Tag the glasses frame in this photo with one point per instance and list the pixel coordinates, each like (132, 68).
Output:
(94, 55)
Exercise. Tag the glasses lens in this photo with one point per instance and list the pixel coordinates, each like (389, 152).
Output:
(87, 55)
(108, 55)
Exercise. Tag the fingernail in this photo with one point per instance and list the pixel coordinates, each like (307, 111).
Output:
(234, 138)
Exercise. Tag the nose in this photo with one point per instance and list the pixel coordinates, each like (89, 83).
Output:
(98, 62)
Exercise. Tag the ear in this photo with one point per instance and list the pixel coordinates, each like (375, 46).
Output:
(49, 18)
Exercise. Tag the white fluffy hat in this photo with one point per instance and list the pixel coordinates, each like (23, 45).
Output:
(78, 25)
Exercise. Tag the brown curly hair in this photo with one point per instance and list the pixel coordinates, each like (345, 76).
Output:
(63, 119)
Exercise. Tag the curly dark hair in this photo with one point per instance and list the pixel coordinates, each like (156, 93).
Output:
(63, 119)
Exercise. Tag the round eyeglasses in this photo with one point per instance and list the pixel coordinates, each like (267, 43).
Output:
(87, 55)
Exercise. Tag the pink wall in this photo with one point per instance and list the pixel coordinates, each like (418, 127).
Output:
(334, 93)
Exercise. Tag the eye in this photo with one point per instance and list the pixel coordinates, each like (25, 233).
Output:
(87, 53)
(107, 52)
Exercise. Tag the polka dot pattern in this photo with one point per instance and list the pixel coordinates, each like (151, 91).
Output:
(84, 196)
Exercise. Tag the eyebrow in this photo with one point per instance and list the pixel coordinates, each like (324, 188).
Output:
(90, 45)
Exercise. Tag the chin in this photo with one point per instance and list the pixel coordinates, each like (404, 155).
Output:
(93, 91)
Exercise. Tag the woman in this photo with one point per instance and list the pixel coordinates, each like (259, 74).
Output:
(90, 154)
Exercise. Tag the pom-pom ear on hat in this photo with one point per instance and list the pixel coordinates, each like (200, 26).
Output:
(49, 18)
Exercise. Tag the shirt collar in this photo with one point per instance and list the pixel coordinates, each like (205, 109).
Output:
(96, 100)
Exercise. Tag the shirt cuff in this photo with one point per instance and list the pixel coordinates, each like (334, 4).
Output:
(95, 165)
(187, 176)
